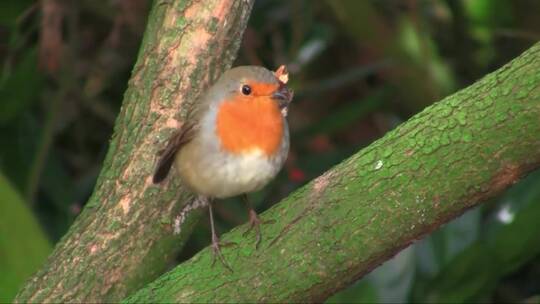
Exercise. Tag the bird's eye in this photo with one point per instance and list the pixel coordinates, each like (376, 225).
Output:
(246, 90)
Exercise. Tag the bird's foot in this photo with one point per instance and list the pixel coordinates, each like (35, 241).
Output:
(216, 251)
(255, 222)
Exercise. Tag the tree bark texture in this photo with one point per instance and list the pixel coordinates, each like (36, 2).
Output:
(456, 153)
(123, 238)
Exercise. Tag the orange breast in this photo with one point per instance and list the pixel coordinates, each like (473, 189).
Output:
(248, 123)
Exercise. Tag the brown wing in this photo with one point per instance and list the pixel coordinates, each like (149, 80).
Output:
(167, 155)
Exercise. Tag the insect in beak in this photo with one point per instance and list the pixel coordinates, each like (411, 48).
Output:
(283, 96)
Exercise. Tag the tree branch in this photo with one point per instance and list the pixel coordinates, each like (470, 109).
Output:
(123, 239)
(448, 158)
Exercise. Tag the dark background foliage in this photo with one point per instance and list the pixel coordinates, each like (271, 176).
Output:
(358, 67)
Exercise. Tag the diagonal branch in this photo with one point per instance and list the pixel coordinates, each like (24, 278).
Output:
(123, 239)
(450, 157)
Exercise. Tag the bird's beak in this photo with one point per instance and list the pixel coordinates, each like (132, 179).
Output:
(283, 96)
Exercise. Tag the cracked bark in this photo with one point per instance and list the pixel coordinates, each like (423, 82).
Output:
(450, 157)
(123, 238)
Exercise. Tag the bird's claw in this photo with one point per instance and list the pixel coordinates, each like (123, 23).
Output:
(255, 222)
(216, 251)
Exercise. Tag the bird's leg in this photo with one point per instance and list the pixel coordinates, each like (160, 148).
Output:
(254, 221)
(216, 245)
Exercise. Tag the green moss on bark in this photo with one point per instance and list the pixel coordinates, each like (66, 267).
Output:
(444, 160)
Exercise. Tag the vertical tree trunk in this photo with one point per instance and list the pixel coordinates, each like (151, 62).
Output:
(123, 238)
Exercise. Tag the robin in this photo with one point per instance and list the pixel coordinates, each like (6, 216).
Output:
(235, 139)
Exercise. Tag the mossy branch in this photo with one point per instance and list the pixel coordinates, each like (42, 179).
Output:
(456, 153)
(123, 238)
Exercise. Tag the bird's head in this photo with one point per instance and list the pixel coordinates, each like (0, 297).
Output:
(255, 83)
(251, 109)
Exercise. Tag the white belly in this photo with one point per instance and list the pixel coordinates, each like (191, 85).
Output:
(222, 175)
(238, 175)
(209, 171)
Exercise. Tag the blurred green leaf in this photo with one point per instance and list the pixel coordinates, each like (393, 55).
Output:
(315, 164)
(475, 272)
(520, 241)
(389, 283)
(440, 248)
(10, 11)
(16, 157)
(489, 13)
(360, 292)
(394, 278)
(461, 233)
(58, 197)
(465, 279)
(346, 115)
(361, 19)
(422, 51)
(56, 184)
(487, 17)
(23, 246)
(21, 87)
